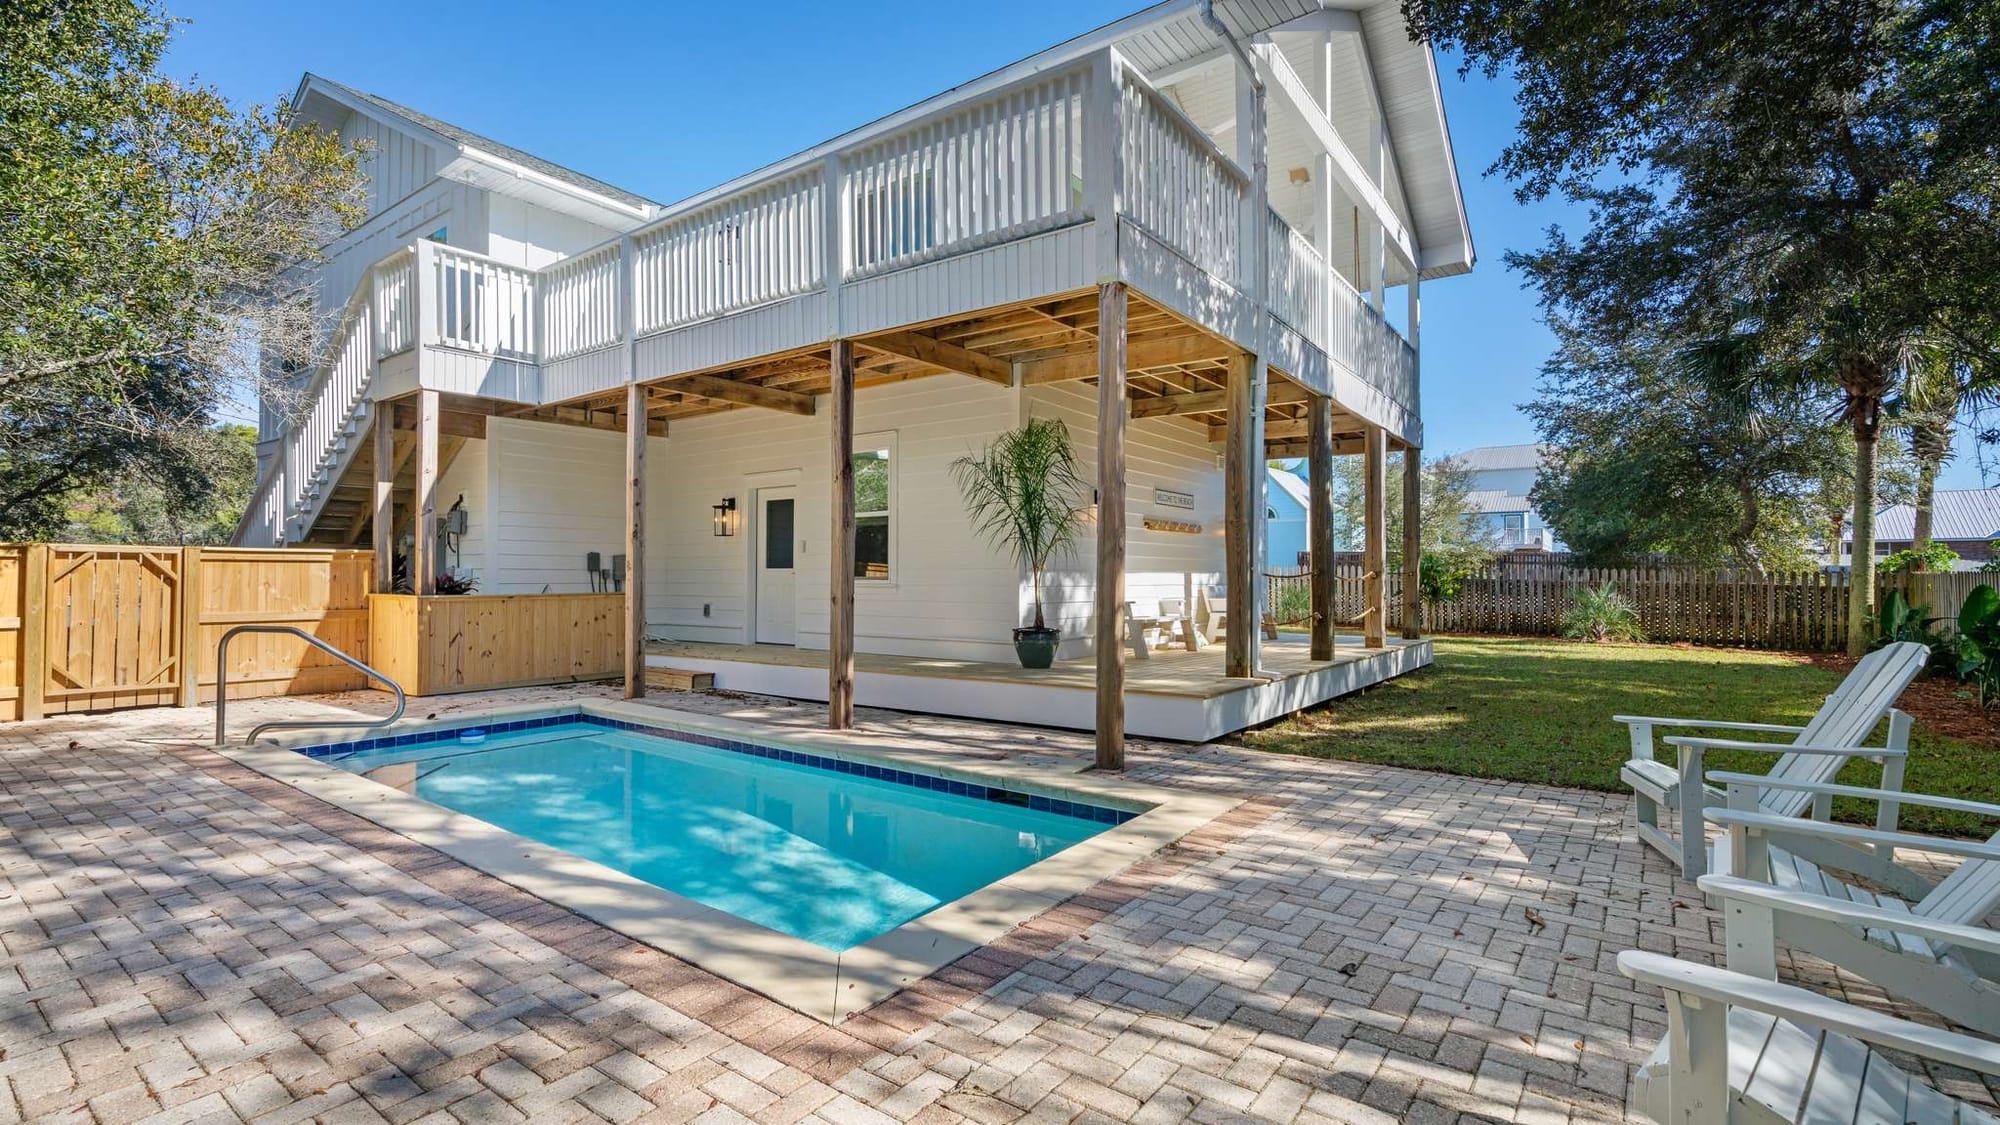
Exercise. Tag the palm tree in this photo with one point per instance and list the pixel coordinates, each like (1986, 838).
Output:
(1753, 355)
(1025, 496)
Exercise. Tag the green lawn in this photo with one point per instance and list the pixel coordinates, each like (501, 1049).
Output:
(1529, 709)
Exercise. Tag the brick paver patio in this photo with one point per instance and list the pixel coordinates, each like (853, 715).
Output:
(186, 940)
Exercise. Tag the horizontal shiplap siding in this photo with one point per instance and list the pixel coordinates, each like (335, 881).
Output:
(950, 593)
(468, 477)
(558, 492)
(1168, 453)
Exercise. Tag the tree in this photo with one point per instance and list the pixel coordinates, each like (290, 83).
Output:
(1818, 178)
(1456, 537)
(1650, 459)
(153, 245)
(198, 502)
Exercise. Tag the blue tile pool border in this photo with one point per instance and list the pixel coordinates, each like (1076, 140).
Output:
(1077, 810)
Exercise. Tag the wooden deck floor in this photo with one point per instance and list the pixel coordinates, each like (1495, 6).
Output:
(1167, 671)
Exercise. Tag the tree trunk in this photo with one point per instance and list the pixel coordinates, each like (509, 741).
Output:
(1930, 444)
(1866, 414)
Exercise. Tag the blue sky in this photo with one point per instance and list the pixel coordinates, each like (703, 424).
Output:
(668, 99)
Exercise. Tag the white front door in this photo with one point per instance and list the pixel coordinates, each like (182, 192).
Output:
(777, 583)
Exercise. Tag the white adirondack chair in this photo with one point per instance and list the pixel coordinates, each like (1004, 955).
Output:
(1930, 945)
(1742, 1049)
(1816, 753)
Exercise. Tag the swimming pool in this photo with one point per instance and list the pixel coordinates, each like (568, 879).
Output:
(831, 850)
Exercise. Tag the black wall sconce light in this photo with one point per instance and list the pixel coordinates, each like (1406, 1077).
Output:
(725, 517)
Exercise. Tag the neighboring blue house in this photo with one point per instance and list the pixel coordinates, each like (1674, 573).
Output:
(1285, 514)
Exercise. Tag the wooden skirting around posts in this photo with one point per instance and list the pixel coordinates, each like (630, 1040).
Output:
(840, 624)
(1319, 521)
(1111, 412)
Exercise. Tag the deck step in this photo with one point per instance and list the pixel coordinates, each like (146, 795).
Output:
(678, 679)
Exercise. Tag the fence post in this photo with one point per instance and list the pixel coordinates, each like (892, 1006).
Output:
(190, 627)
(35, 631)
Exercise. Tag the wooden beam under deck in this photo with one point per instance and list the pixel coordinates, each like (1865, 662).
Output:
(941, 353)
(742, 393)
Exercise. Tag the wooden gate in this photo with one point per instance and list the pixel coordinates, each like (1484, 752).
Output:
(111, 627)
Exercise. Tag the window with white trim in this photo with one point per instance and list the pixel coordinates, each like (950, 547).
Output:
(874, 503)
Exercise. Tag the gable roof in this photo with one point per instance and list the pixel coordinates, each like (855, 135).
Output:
(477, 158)
(469, 139)
(1961, 514)
(1288, 482)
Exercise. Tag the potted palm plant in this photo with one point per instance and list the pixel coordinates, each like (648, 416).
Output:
(1024, 495)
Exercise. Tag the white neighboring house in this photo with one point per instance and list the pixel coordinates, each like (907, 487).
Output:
(508, 328)
(1502, 475)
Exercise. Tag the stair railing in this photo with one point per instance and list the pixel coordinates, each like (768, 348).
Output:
(222, 687)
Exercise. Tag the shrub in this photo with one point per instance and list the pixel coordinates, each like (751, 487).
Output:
(1602, 614)
(1935, 556)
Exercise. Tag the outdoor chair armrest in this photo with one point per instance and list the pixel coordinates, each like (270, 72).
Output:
(1689, 742)
(1730, 888)
(1850, 834)
(1711, 724)
(1760, 781)
(1786, 1001)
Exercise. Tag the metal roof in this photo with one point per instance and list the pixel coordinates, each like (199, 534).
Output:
(1962, 514)
(1492, 457)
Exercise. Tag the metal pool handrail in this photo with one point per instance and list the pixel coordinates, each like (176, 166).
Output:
(222, 686)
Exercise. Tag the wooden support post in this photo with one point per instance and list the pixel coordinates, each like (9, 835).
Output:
(382, 530)
(1319, 521)
(190, 627)
(1413, 542)
(1375, 535)
(635, 540)
(35, 632)
(1111, 412)
(1239, 525)
(423, 536)
(840, 577)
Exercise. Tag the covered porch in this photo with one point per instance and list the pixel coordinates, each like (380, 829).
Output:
(1172, 693)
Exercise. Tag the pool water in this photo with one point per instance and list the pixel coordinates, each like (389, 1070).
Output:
(786, 840)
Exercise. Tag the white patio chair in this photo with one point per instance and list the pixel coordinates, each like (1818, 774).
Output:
(1816, 753)
(1739, 1049)
(1926, 943)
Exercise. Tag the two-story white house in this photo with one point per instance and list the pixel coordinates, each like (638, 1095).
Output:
(1502, 476)
(1180, 234)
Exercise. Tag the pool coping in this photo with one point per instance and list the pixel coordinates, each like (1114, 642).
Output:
(808, 978)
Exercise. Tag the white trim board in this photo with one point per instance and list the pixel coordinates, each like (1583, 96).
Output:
(1181, 718)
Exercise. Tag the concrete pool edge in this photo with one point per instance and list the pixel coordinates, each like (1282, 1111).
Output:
(820, 983)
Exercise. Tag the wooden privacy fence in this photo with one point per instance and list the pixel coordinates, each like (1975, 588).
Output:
(98, 627)
(435, 645)
(1806, 610)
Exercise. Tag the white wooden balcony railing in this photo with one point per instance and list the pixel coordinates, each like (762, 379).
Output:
(1008, 165)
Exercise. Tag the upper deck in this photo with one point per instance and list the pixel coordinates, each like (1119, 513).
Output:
(919, 236)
